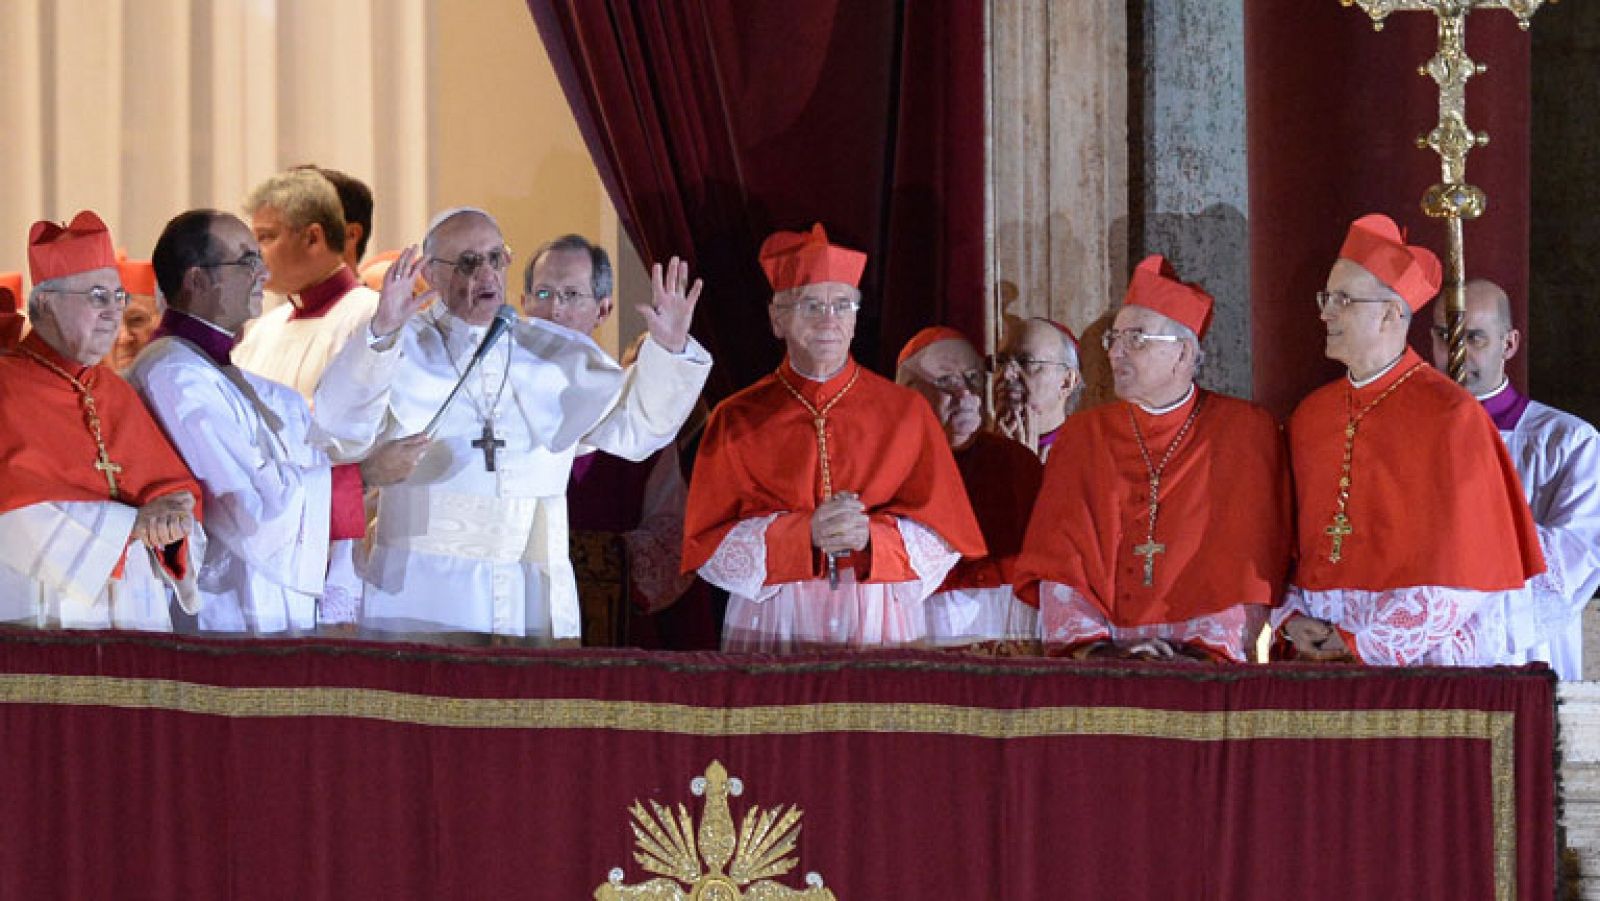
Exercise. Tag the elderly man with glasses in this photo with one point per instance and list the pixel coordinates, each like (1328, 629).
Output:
(824, 497)
(471, 538)
(1415, 541)
(244, 437)
(99, 518)
(1162, 529)
(1038, 382)
(975, 608)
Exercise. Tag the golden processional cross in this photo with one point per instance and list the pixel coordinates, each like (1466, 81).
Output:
(1453, 199)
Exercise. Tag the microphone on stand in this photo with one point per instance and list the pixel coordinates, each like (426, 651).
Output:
(503, 319)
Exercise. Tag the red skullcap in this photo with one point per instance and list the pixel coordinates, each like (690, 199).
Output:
(1155, 286)
(138, 276)
(56, 251)
(1376, 244)
(793, 259)
(919, 342)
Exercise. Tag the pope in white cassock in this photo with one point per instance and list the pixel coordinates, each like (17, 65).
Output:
(244, 437)
(471, 538)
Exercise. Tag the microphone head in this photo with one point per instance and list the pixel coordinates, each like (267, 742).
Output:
(506, 314)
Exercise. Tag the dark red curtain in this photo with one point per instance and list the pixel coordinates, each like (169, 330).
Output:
(154, 767)
(714, 122)
(1334, 111)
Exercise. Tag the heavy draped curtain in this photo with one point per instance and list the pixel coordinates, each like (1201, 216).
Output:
(714, 122)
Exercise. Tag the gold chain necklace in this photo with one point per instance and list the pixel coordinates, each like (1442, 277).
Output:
(1340, 528)
(1150, 548)
(103, 461)
(819, 419)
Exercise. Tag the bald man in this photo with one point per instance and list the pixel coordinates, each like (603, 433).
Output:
(1557, 456)
(1039, 382)
(976, 608)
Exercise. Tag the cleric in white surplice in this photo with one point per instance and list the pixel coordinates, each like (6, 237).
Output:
(471, 537)
(244, 437)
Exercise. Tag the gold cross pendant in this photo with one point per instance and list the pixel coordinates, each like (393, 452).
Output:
(1148, 551)
(1338, 532)
(111, 469)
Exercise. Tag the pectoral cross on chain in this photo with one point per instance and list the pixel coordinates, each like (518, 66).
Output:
(1338, 532)
(111, 469)
(488, 443)
(1148, 551)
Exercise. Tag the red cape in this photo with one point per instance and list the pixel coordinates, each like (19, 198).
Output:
(1224, 517)
(1002, 479)
(759, 456)
(47, 452)
(1434, 500)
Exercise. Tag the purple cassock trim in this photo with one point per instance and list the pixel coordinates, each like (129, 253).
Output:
(216, 343)
(1506, 407)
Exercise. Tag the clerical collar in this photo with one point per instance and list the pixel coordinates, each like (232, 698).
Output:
(1376, 375)
(1175, 405)
(1498, 390)
(213, 341)
(315, 301)
(1505, 405)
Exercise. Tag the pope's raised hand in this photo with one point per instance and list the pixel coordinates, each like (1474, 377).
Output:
(399, 300)
(672, 302)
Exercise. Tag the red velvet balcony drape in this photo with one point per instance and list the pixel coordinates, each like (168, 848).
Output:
(151, 767)
(714, 122)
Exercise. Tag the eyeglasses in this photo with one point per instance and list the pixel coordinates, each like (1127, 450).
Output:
(955, 384)
(1027, 365)
(467, 264)
(100, 299)
(816, 309)
(1476, 339)
(1339, 300)
(1134, 339)
(250, 260)
(563, 297)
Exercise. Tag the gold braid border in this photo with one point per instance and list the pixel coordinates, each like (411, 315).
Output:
(1495, 727)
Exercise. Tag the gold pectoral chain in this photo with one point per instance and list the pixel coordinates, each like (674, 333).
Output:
(819, 419)
(1151, 548)
(102, 462)
(1340, 529)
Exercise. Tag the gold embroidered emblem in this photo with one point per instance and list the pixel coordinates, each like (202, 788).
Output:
(759, 851)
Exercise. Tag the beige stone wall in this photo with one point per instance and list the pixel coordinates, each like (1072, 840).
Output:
(1058, 167)
(502, 137)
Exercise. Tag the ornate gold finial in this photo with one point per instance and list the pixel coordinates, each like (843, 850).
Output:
(760, 850)
(1453, 200)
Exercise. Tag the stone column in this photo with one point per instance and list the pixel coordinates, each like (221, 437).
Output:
(1190, 183)
(1057, 160)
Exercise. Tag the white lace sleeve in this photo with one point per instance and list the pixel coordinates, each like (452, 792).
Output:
(739, 565)
(931, 557)
(1419, 625)
(1067, 619)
